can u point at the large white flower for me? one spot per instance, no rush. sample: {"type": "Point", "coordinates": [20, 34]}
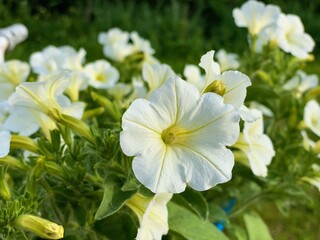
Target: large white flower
{"type": "Point", "coordinates": [292, 38]}
{"type": "Point", "coordinates": [156, 74]}
{"type": "Point", "coordinates": [152, 213]}
{"type": "Point", "coordinates": [101, 74]}
{"type": "Point", "coordinates": [311, 116]}
{"type": "Point", "coordinates": [5, 138]}
{"type": "Point", "coordinates": [12, 73]}
{"type": "Point", "coordinates": [179, 137]}
{"type": "Point", "coordinates": [256, 145]}
{"type": "Point", "coordinates": [255, 16]}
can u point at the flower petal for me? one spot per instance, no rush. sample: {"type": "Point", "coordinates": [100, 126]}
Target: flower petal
{"type": "Point", "coordinates": [5, 138]}
{"type": "Point", "coordinates": [236, 87]}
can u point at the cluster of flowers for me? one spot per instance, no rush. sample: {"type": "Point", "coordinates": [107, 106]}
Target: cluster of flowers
{"type": "Point", "coordinates": [267, 24]}
{"type": "Point", "coordinates": [180, 132]}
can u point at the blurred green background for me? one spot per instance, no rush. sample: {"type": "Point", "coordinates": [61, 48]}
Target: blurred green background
{"type": "Point", "coordinates": [179, 31]}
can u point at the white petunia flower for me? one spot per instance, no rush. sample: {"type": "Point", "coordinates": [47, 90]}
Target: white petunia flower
{"type": "Point", "coordinates": [25, 121]}
{"type": "Point", "coordinates": [53, 59]}
{"type": "Point", "coordinates": [179, 137]}
{"type": "Point", "coordinates": [233, 84]}
{"type": "Point", "coordinates": [115, 44]}
{"type": "Point", "coordinates": [301, 83]}
{"type": "Point", "coordinates": [78, 81]}
{"type": "Point", "coordinates": [152, 213]}
{"type": "Point", "coordinates": [12, 73]}
{"type": "Point", "coordinates": [310, 145]}
{"type": "Point", "coordinates": [41, 96]}
{"type": "Point", "coordinates": [5, 139]}
{"type": "Point", "coordinates": [140, 44]}
{"type": "Point", "coordinates": [256, 145]}
{"type": "Point", "coordinates": [139, 90]}
{"type": "Point", "coordinates": [311, 116]}
{"type": "Point", "coordinates": [101, 74]}
{"type": "Point", "coordinates": [156, 74]}
{"type": "Point", "coordinates": [291, 37]}
{"type": "Point", "coordinates": [120, 90]}
{"type": "Point", "coordinates": [227, 60]}
{"type": "Point", "coordinates": [193, 75]}
{"type": "Point", "coordinates": [255, 16]}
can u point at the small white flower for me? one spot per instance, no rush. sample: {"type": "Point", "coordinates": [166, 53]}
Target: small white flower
{"type": "Point", "coordinates": [41, 96]}
{"type": "Point", "coordinates": [78, 81]}
{"type": "Point", "coordinates": [156, 74]}
{"type": "Point", "coordinates": [5, 139]}
{"type": "Point", "coordinates": [256, 145]}
{"type": "Point", "coordinates": [12, 73]}
{"type": "Point", "coordinates": [139, 90]}
{"type": "Point", "coordinates": [235, 82]}
{"type": "Point", "coordinates": [255, 16]}
{"type": "Point", "coordinates": [140, 44]}
{"type": "Point", "coordinates": [193, 75]}
{"type": "Point", "coordinates": [115, 44]}
{"type": "Point", "coordinates": [119, 91]}
{"type": "Point", "coordinates": [179, 137]}
{"type": "Point", "coordinates": [53, 59]}
{"type": "Point", "coordinates": [292, 38]}
{"type": "Point", "coordinates": [311, 116]}
{"type": "Point", "coordinates": [101, 74]}
{"type": "Point", "coordinates": [301, 83]}
{"type": "Point", "coordinates": [152, 213]}
{"type": "Point", "coordinates": [26, 121]}
{"type": "Point", "coordinates": [227, 61]}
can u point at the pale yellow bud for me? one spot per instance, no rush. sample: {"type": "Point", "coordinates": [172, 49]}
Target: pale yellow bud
{"type": "Point", "coordinates": [217, 87]}
{"type": "Point", "coordinates": [39, 226]}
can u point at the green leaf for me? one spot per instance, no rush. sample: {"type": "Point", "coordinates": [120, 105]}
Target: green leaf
{"type": "Point", "coordinates": [193, 201]}
{"type": "Point", "coordinates": [256, 227]}
{"type": "Point", "coordinates": [190, 226]}
{"type": "Point", "coordinates": [113, 200]}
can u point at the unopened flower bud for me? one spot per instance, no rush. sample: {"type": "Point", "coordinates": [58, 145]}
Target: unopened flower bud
{"type": "Point", "coordinates": [39, 226]}
{"type": "Point", "coordinates": [217, 87]}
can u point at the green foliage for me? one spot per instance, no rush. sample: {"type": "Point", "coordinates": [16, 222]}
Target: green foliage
{"type": "Point", "coordinates": [190, 226]}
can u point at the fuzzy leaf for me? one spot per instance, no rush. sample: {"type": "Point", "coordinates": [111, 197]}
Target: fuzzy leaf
{"type": "Point", "coordinates": [190, 226]}
{"type": "Point", "coordinates": [113, 200]}
{"type": "Point", "coordinates": [256, 227]}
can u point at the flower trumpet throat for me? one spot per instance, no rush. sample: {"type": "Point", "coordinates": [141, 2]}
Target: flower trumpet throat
{"type": "Point", "coordinates": [217, 87]}
{"type": "Point", "coordinates": [171, 135]}
{"type": "Point", "coordinates": [39, 226]}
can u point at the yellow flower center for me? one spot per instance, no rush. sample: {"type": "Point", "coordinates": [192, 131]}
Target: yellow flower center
{"type": "Point", "coordinates": [171, 134]}
{"type": "Point", "coordinates": [217, 87]}
{"type": "Point", "coordinates": [100, 77]}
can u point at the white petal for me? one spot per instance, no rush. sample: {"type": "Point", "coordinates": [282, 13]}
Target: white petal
{"type": "Point", "coordinates": [206, 166]}
{"type": "Point", "coordinates": [5, 138]}
{"type": "Point", "coordinates": [312, 116]}
{"type": "Point", "coordinates": [175, 98]}
{"type": "Point", "coordinates": [160, 169]}
{"type": "Point", "coordinates": [21, 121]}
{"type": "Point", "coordinates": [236, 87]}
{"type": "Point", "coordinates": [246, 115]}
{"type": "Point", "coordinates": [260, 155]}
{"type": "Point", "coordinates": [210, 67]}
